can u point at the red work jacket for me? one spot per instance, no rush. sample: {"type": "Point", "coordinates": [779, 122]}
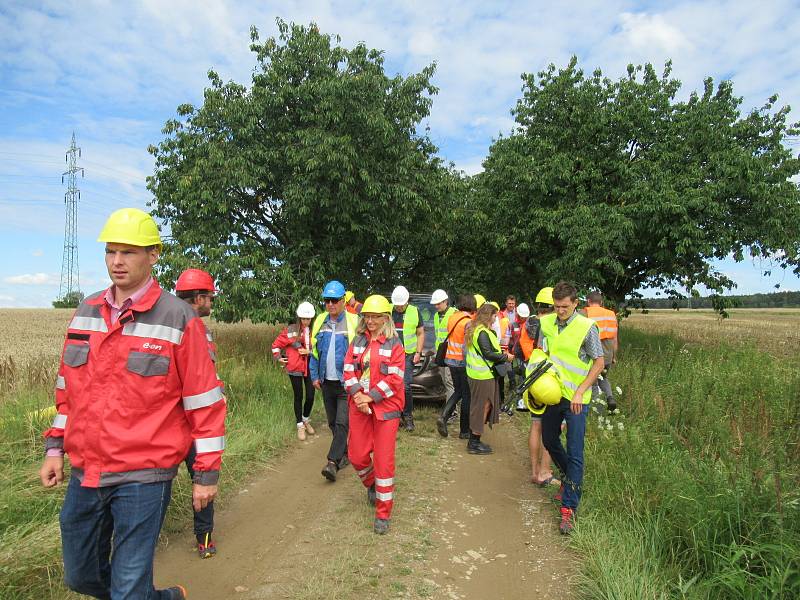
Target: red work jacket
{"type": "Point", "coordinates": [290, 340]}
{"type": "Point", "coordinates": [133, 395]}
{"type": "Point", "coordinates": [387, 359]}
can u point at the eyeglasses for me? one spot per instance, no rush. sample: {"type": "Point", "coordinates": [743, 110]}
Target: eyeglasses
{"type": "Point", "coordinates": [373, 317]}
{"type": "Point", "coordinates": [211, 297]}
{"type": "Point", "coordinates": [331, 300]}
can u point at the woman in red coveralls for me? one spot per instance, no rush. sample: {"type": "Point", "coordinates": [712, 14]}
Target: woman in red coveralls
{"type": "Point", "coordinates": [373, 377]}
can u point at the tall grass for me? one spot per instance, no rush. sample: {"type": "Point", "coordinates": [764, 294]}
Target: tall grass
{"type": "Point", "coordinates": [260, 425]}
{"type": "Point", "coordinates": [697, 496]}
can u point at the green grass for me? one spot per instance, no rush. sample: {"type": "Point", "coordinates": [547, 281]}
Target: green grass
{"type": "Point", "coordinates": [698, 495]}
{"type": "Point", "coordinates": [260, 426]}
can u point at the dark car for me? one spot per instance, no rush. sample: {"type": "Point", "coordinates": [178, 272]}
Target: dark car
{"type": "Point", "coordinates": [427, 383]}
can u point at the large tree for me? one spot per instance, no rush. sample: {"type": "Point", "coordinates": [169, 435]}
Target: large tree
{"type": "Point", "coordinates": [317, 170]}
{"type": "Point", "coordinates": [619, 185]}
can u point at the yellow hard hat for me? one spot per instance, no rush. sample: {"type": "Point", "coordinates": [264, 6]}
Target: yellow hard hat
{"type": "Point", "coordinates": [347, 295]}
{"type": "Point", "coordinates": [546, 390]}
{"type": "Point", "coordinates": [376, 304]}
{"type": "Point", "coordinates": [479, 300]}
{"type": "Point", "coordinates": [495, 304]}
{"type": "Point", "coordinates": [130, 226]}
{"type": "Point", "coordinates": [545, 296]}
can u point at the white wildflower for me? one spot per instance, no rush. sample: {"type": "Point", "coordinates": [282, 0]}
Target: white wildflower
{"type": "Point", "coordinates": [619, 390]}
{"type": "Point", "coordinates": [610, 427]}
{"type": "Point", "coordinates": [620, 426]}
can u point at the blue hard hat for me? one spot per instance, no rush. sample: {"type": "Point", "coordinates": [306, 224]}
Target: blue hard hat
{"type": "Point", "coordinates": [333, 289]}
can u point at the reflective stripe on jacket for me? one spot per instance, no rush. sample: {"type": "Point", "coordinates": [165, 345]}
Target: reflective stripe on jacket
{"type": "Point", "coordinates": [384, 382]}
{"type": "Point", "coordinates": [606, 321]}
{"type": "Point", "coordinates": [564, 350]}
{"type": "Point", "coordinates": [290, 340]}
{"type": "Point", "coordinates": [132, 396]}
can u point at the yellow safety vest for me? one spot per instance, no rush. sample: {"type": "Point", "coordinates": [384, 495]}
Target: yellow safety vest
{"type": "Point", "coordinates": [477, 366]}
{"type": "Point", "coordinates": [564, 350]}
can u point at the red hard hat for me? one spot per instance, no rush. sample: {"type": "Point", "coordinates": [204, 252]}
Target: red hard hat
{"type": "Point", "coordinates": [195, 279]}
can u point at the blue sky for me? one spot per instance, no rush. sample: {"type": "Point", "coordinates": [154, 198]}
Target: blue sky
{"type": "Point", "coordinates": [114, 72]}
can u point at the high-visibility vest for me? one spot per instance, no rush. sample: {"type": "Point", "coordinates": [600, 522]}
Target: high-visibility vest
{"type": "Point", "coordinates": [505, 333]}
{"type": "Point", "coordinates": [606, 321]}
{"type": "Point", "coordinates": [352, 323]}
{"type": "Point", "coordinates": [440, 324]}
{"type": "Point", "coordinates": [525, 342]}
{"type": "Point", "coordinates": [410, 323]}
{"type": "Point", "coordinates": [564, 349]}
{"type": "Point", "coordinates": [455, 343]}
{"type": "Point", "coordinates": [477, 366]}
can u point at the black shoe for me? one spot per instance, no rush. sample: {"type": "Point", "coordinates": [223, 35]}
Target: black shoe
{"type": "Point", "coordinates": [409, 424]}
{"type": "Point", "coordinates": [381, 526]}
{"type": "Point", "coordinates": [463, 436]}
{"type": "Point", "coordinates": [441, 427]}
{"type": "Point", "coordinates": [612, 405]}
{"type": "Point", "coordinates": [372, 496]}
{"type": "Point", "coordinates": [478, 447]}
{"type": "Point", "coordinates": [329, 471]}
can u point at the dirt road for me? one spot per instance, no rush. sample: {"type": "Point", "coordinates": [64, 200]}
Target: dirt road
{"type": "Point", "coordinates": [463, 527]}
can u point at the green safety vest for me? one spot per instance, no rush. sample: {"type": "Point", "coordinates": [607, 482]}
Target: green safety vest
{"type": "Point", "coordinates": [564, 350]}
{"type": "Point", "coordinates": [440, 324]}
{"type": "Point", "coordinates": [477, 366]}
{"type": "Point", "coordinates": [410, 324]}
{"type": "Point", "coordinates": [352, 323]}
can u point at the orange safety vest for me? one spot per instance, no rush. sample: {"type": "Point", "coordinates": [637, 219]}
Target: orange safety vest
{"type": "Point", "coordinates": [605, 319]}
{"type": "Point", "coordinates": [455, 343]}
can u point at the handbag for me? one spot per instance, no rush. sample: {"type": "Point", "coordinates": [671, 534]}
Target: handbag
{"type": "Point", "coordinates": [441, 349]}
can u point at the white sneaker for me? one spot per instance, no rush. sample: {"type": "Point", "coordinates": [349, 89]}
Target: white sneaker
{"type": "Point", "coordinates": [301, 433]}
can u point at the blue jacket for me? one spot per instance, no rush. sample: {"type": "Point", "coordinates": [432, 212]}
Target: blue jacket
{"type": "Point", "coordinates": [317, 366]}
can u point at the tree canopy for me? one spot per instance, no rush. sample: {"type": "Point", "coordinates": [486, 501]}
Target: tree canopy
{"type": "Point", "coordinates": [618, 185]}
{"type": "Point", "coordinates": [317, 170]}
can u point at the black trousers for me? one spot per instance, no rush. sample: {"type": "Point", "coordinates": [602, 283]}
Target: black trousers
{"type": "Point", "coordinates": [203, 520]}
{"type": "Point", "coordinates": [334, 397]}
{"type": "Point", "coordinates": [460, 393]}
{"type": "Point", "coordinates": [302, 410]}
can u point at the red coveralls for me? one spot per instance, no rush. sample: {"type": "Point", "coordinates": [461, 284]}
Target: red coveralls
{"type": "Point", "coordinates": [375, 367]}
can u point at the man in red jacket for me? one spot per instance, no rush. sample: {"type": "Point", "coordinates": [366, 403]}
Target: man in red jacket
{"type": "Point", "coordinates": [136, 387]}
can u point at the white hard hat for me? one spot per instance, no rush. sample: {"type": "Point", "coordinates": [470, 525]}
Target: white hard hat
{"type": "Point", "coordinates": [400, 296]}
{"type": "Point", "coordinates": [524, 311]}
{"type": "Point", "coordinates": [305, 310]}
{"type": "Point", "coordinates": [438, 296]}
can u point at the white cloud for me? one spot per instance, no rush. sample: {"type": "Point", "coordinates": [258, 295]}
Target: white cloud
{"type": "Point", "coordinates": [37, 252]}
{"type": "Point", "coordinates": [33, 279]}
{"type": "Point", "coordinates": [643, 31]}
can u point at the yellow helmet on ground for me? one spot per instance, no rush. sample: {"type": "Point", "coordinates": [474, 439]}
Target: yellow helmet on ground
{"type": "Point", "coordinates": [130, 226]}
{"type": "Point", "coordinates": [377, 304]}
{"type": "Point", "coordinates": [545, 296]}
{"type": "Point", "coordinates": [479, 300]}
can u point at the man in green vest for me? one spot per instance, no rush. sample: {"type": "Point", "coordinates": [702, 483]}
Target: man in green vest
{"type": "Point", "coordinates": [441, 303]}
{"type": "Point", "coordinates": [411, 330]}
{"type": "Point", "coordinates": [573, 343]}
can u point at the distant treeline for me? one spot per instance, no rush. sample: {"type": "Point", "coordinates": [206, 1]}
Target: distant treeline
{"type": "Point", "coordinates": [774, 300]}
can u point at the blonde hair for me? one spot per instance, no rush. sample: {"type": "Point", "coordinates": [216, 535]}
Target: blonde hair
{"type": "Point", "coordinates": [387, 329]}
{"type": "Point", "coordinates": [483, 317]}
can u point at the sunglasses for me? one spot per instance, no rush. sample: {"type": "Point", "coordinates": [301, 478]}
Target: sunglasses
{"type": "Point", "coordinates": [331, 300]}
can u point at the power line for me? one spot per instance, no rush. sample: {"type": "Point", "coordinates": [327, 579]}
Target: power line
{"type": "Point", "coordinates": [70, 283]}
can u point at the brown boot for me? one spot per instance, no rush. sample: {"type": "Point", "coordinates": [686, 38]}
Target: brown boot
{"type": "Point", "coordinates": [309, 428]}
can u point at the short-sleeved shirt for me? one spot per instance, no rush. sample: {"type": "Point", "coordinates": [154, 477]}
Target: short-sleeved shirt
{"type": "Point", "coordinates": [591, 348]}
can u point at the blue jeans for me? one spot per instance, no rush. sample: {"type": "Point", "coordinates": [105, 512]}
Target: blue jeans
{"type": "Point", "coordinates": [408, 375]}
{"type": "Point", "coordinates": [569, 462]}
{"type": "Point", "coordinates": [127, 516]}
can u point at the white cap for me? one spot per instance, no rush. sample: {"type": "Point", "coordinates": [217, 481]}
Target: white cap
{"type": "Point", "coordinates": [438, 296]}
{"type": "Point", "coordinates": [524, 311]}
{"type": "Point", "coordinates": [400, 296]}
{"type": "Point", "coordinates": [305, 310]}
